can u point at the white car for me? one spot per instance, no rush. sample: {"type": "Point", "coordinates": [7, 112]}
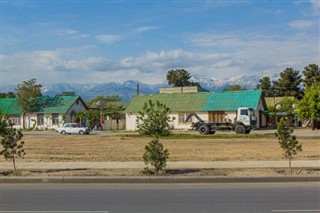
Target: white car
{"type": "Point", "coordinates": [73, 128]}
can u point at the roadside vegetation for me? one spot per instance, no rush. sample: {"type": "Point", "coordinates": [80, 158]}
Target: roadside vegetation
{"type": "Point", "coordinates": [11, 142]}
{"type": "Point", "coordinates": [287, 141]}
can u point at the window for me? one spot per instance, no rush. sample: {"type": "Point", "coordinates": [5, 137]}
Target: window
{"type": "Point", "coordinates": [55, 119]}
{"type": "Point", "coordinates": [182, 118]}
{"type": "Point", "coordinates": [40, 119]}
{"type": "Point", "coordinates": [243, 112]}
{"type": "Point", "coordinates": [216, 116]}
{"type": "Point", "coordinates": [15, 120]}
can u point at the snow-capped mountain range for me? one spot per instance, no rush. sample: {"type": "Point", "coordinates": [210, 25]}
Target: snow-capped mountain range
{"type": "Point", "coordinates": [128, 89]}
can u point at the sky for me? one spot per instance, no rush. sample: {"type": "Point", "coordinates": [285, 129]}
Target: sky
{"type": "Point", "coordinates": [97, 41]}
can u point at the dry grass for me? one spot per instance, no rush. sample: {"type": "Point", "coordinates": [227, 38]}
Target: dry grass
{"type": "Point", "coordinates": [119, 148]}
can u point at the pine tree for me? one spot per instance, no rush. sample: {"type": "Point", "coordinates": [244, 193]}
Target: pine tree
{"type": "Point", "coordinates": [287, 141]}
{"type": "Point", "coordinates": [311, 75]}
{"type": "Point", "coordinates": [288, 83]}
{"type": "Point", "coordinates": [154, 119]}
{"type": "Point", "coordinates": [155, 155]}
{"type": "Point", "coordinates": [265, 85]}
{"type": "Point", "coordinates": [180, 78]}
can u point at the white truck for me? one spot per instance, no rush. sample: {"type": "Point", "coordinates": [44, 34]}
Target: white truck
{"type": "Point", "coordinates": [244, 122]}
{"type": "Point", "coordinates": [73, 128]}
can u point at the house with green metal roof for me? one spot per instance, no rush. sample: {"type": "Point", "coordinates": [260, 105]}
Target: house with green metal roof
{"type": "Point", "coordinates": [210, 106]}
{"type": "Point", "coordinates": [50, 113]}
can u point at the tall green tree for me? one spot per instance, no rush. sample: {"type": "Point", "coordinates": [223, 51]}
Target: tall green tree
{"type": "Point", "coordinates": [287, 141]}
{"type": "Point", "coordinates": [7, 95]}
{"type": "Point", "coordinates": [309, 106]}
{"type": "Point", "coordinates": [288, 83]}
{"type": "Point", "coordinates": [28, 94]}
{"type": "Point", "coordinates": [235, 87]}
{"type": "Point", "coordinates": [93, 116]}
{"type": "Point", "coordinates": [265, 85]}
{"type": "Point", "coordinates": [311, 75]}
{"type": "Point", "coordinates": [180, 78]}
{"type": "Point", "coordinates": [67, 93]}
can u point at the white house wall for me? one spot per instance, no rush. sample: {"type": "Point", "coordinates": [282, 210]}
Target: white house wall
{"type": "Point", "coordinates": [131, 120]}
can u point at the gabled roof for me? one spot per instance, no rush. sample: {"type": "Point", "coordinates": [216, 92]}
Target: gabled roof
{"type": "Point", "coordinates": [8, 106]}
{"type": "Point", "coordinates": [201, 102]}
{"type": "Point", "coordinates": [56, 104]}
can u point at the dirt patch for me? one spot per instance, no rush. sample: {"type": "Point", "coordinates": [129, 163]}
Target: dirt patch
{"type": "Point", "coordinates": [96, 148]}
{"type": "Point", "coordinates": [92, 148]}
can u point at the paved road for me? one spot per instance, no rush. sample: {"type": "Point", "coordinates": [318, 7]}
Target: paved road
{"type": "Point", "coordinates": [257, 198]}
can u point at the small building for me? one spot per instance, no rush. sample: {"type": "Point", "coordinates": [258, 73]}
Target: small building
{"type": "Point", "coordinates": [210, 106]}
{"type": "Point", "coordinates": [113, 116]}
{"type": "Point", "coordinates": [188, 89]}
{"type": "Point", "coordinates": [51, 112]}
{"type": "Point", "coordinates": [274, 115]}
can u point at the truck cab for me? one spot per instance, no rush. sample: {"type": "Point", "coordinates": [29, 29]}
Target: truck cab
{"type": "Point", "coordinates": [246, 116]}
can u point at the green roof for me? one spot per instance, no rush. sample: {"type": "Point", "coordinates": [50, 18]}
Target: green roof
{"type": "Point", "coordinates": [8, 106]}
{"type": "Point", "coordinates": [47, 105]}
{"type": "Point", "coordinates": [201, 102]}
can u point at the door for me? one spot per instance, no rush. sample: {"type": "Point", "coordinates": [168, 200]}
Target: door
{"type": "Point", "coordinates": [216, 116]}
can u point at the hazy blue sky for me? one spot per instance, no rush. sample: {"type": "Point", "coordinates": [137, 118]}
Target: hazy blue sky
{"type": "Point", "coordinates": [101, 41]}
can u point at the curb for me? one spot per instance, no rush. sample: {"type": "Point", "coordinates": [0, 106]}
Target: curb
{"type": "Point", "coordinates": [159, 179]}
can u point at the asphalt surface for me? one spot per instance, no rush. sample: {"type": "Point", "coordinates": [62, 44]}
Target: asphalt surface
{"type": "Point", "coordinates": [227, 198]}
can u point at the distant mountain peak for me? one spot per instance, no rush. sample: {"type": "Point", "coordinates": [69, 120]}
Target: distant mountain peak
{"type": "Point", "coordinates": [127, 89]}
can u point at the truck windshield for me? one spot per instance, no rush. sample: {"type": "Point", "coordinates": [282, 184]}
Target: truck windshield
{"type": "Point", "coordinates": [250, 110]}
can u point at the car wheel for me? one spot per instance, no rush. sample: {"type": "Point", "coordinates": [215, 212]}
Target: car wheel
{"type": "Point", "coordinates": [63, 132]}
{"type": "Point", "coordinates": [81, 132]}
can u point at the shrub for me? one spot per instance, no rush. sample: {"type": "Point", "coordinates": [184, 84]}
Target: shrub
{"type": "Point", "coordinates": [156, 156]}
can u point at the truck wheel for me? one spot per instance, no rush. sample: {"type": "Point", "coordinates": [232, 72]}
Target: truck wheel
{"type": "Point", "coordinates": [63, 132]}
{"type": "Point", "coordinates": [204, 130]}
{"type": "Point", "coordinates": [81, 132]}
{"type": "Point", "coordinates": [240, 129]}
